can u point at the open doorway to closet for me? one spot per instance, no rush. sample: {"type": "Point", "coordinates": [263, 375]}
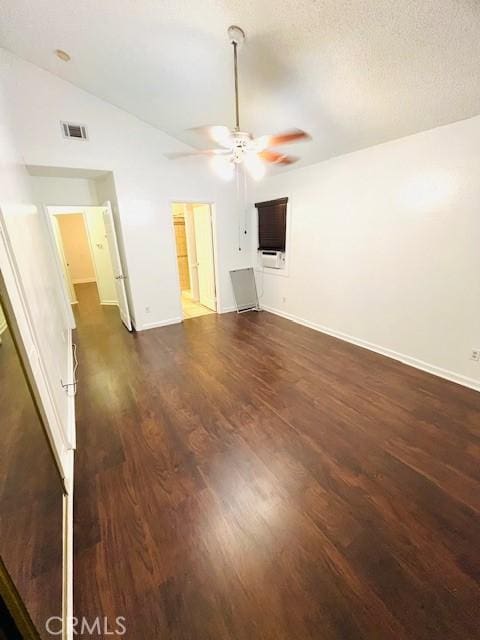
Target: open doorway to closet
{"type": "Point", "coordinates": [194, 244]}
{"type": "Point", "coordinates": [88, 257]}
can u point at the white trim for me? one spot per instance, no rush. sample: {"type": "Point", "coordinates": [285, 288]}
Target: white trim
{"type": "Point", "coordinates": [68, 551]}
{"type": "Point", "coordinates": [83, 280]}
{"type": "Point", "coordinates": [3, 326]}
{"type": "Point", "coordinates": [71, 424]}
{"type": "Point", "coordinates": [117, 265]}
{"type": "Point", "coordinates": [112, 303]}
{"type": "Point", "coordinates": [465, 381]}
{"type": "Point", "coordinates": [161, 323]}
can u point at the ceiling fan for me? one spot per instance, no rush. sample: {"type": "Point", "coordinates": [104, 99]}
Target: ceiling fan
{"type": "Point", "coordinates": [236, 147]}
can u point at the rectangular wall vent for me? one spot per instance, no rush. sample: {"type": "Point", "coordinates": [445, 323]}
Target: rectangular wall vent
{"type": "Point", "coordinates": [76, 131]}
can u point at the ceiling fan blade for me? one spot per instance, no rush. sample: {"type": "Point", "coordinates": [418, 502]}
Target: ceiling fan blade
{"type": "Point", "coordinates": [287, 137]}
{"type": "Point", "coordinates": [199, 152]}
{"type": "Point", "coordinates": [217, 133]}
{"type": "Point", "coordinates": [276, 158]}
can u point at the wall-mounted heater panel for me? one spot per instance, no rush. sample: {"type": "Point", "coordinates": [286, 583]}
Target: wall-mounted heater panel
{"type": "Point", "coordinates": [244, 289]}
{"type": "Point", "coordinates": [272, 259]}
{"type": "Point", "coordinates": [74, 131]}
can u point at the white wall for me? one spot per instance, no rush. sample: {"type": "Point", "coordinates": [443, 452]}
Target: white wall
{"type": "Point", "coordinates": [145, 183]}
{"type": "Point", "coordinates": [67, 191]}
{"type": "Point", "coordinates": [384, 247]}
{"type": "Point", "coordinates": [27, 267]}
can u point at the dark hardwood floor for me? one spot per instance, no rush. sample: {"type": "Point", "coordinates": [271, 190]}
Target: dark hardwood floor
{"type": "Point", "coordinates": [241, 477]}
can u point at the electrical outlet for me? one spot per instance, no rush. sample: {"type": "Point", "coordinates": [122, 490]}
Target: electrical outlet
{"type": "Point", "coordinates": [284, 299]}
{"type": "Point", "coordinates": [475, 355]}
{"type": "Point", "coordinates": [147, 309]}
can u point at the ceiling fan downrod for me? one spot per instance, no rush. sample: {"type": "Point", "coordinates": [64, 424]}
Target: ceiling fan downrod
{"type": "Point", "coordinates": [237, 114]}
{"type": "Point", "coordinates": [237, 38]}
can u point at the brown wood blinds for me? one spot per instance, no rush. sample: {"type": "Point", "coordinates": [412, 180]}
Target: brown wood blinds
{"type": "Point", "coordinates": [272, 224]}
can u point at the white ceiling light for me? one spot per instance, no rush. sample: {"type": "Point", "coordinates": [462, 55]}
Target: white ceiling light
{"type": "Point", "coordinates": [240, 147]}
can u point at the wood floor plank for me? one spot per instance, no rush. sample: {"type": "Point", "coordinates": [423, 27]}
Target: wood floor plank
{"type": "Point", "coordinates": [242, 477]}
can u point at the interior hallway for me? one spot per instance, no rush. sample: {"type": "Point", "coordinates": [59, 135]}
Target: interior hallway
{"type": "Point", "coordinates": [241, 477]}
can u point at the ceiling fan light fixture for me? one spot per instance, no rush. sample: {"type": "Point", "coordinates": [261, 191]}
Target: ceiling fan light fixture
{"type": "Point", "coordinates": [237, 146]}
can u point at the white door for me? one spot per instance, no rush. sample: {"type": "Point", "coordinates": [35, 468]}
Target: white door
{"type": "Point", "coordinates": [117, 265]}
{"type": "Point", "coordinates": [202, 219]}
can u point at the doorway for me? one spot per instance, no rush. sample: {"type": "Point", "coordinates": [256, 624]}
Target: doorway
{"type": "Point", "coordinates": [192, 223]}
{"type": "Point", "coordinates": [88, 258]}
{"type": "Point", "coordinates": [74, 249]}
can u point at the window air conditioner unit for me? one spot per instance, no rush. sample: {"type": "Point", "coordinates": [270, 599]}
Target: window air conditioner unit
{"type": "Point", "coordinates": [272, 259]}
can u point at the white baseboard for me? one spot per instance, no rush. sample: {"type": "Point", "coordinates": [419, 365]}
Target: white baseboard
{"type": "Point", "coordinates": [228, 309]}
{"type": "Point", "coordinates": [465, 381]}
{"type": "Point", "coordinates": [112, 303]}
{"type": "Point", "coordinates": [161, 323]}
{"type": "Point", "coordinates": [83, 280]}
{"type": "Point", "coordinates": [3, 326]}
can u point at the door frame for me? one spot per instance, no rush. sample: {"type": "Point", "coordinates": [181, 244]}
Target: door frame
{"type": "Point", "coordinates": [213, 219]}
{"type": "Point", "coordinates": [51, 210]}
{"type": "Point", "coordinates": [116, 261]}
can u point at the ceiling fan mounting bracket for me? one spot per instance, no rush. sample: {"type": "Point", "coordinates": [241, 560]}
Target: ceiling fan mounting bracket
{"type": "Point", "coordinates": [236, 35]}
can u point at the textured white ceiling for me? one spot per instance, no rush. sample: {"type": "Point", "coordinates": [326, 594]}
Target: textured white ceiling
{"type": "Point", "coordinates": [351, 72]}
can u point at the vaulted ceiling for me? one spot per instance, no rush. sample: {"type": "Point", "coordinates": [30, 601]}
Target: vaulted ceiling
{"type": "Point", "coordinates": [353, 73]}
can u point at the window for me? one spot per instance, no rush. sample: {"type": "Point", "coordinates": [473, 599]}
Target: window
{"type": "Point", "coordinates": [272, 224]}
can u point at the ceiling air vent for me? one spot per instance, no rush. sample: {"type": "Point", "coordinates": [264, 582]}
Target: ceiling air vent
{"type": "Point", "coordinates": [76, 131]}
